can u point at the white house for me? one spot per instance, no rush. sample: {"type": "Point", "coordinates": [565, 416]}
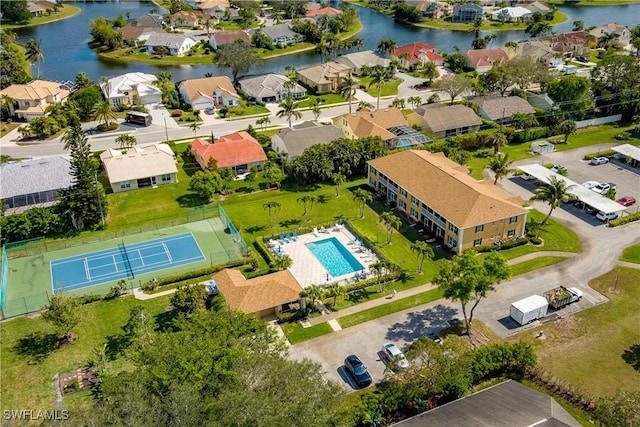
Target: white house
{"type": "Point", "coordinates": [176, 44]}
{"type": "Point", "coordinates": [209, 92]}
{"type": "Point", "coordinates": [512, 14]}
{"type": "Point", "coordinates": [132, 89]}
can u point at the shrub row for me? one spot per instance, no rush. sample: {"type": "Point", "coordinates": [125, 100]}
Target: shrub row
{"type": "Point", "coordinates": [605, 153]}
{"type": "Point", "coordinates": [625, 219]}
{"type": "Point", "coordinates": [183, 277]}
{"type": "Point", "coordinates": [531, 135]}
{"type": "Point", "coordinates": [291, 316]}
{"type": "Point", "coordinates": [506, 245]}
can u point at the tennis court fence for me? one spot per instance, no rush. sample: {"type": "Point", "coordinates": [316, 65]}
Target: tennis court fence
{"type": "Point", "coordinates": [4, 272]}
{"type": "Point", "coordinates": [237, 238]}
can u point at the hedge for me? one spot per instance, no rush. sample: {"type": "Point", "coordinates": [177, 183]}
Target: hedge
{"type": "Point", "coordinates": [624, 219]}
{"type": "Point", "coordinates": [531, 135]}
{"type": "Point", "coordinates": [605, 153]}
{"type": "Point", "coordinates": [183, 277]}
{"type": "Point", "coordinates": [506, 245]}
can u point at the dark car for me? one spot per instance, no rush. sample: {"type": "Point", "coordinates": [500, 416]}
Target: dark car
{"type": "Point", "coordinates": [435, 337]}
{"type": "Point", "coordinates": [355, 366]}
{"type": "Point", "coordinates": [582, 59]}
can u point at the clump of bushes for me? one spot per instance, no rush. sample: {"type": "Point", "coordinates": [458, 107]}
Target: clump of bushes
{"type": "Point", "coordinates": [625, 219]}
{"type": "Point", "coordinates": [506, 245]}
{"type": "Point", "coordinates": [604, 153]}
{"type": "Point", "coordinates": [177, 113]}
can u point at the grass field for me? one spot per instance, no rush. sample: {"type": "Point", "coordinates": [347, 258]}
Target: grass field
{"type": "Point", "coordinates": [66, 10]}
{"type": "Point", "coordinates": [535, 264]}
{"type": "Point", "coordinates": [388, 89]}
{"type": "Point", "coordinates": [631, 254]}
{"type": "Point", "coordinates": [295, 333]}
{"type": "Point", "coordinates": [596, 349]}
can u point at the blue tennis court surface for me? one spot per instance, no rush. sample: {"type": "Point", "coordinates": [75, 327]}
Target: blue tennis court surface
{"type": "Point", "coordinates": [123, 262]}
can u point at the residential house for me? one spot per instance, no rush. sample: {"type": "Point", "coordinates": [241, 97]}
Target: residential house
{"type": "Point", "coordinates": [323, 78]}
{"type": "Point", "coordinates": [536, 7]}
{"type": "Point", "coordinates": [482, 60]}
{"type": "Point", "coordinates": [222, 38]}
{"type": "Point", "coordinates": [311, 5]}
{"type": "Point", "coordinates": [365, 59]}
{"type": "Point", "coordinates": [282, 34]}
{"type": "Point", "coordinates": [205, 5]}
{"type": "Point", "coordinates": [32, 99]}
{"type": "Point", "coordinates": [443, 199]}
{"type": "Point", "coordinates": [238, 151]}
{"type": "Point", "coordinates": [209, 92]}
{"type": "Point", "coordinates": [151, 20]}
{"type": "Point", "coordinates": [133, 34]}
{"type": "Point", "coordinates": [175, 44]}
{"type": "Point", "coordinates": [429, 9]}
{"type": "Point", "coordinates": [185, 19]}
{"type": "Point", "coordinates": [298, 138]}
{"type": "Point", "coordinates": [467, 12]}
{"type": "Point", "coordinates": [623, 34]}
{"type": "Point", "coordinates": [512, 14]}
{"type": "Point", "coordinates": [415, 55]}
{"type": "Point", "coordinates": [34, 182]}
{"type": "Point", "coordinates": [270, 88]}
{"type": "Point", "coordinates": [267, 295]}
{"type": "Point", "coordinates": [500, 109]}
{"type": "Point", "coordinates": [570, 43]}
{"type": "Point", "coordinates": [224, 13]}
{"type": "Point", "coordinates": [324, 11]}
{"type": "Point", "coordinates": [539, 52]}
{"type": "Point", "coordinates": [35, 9]}
{"type": "Point", "coordinates": [445, 120]}
{"type": "Point", "coordinates": [139, 167]}
{"type": "Point", "coordinates": [131, 89]}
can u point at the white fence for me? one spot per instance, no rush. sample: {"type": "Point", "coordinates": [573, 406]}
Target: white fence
{"type": "Point", "coordinates": [598, 121]}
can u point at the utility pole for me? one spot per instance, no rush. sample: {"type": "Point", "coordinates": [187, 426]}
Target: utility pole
{"type": "Point", "coordinates": [166, 132]}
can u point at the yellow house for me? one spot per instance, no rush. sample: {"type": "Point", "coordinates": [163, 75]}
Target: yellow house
{"type": "Point", "coordinates": [443, 199]}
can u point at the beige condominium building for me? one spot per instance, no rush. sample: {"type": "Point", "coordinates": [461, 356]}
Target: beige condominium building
{"type": "Point", "coordinates": [443, 199]}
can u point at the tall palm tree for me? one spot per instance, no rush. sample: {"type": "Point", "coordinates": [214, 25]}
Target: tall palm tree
{"type": "Point", "coordinates": [272, 207]}
{"type": "Point", "coordinates": [312, 294]}
{"type": "Point", "coordinates": [126, 141]}
{"type": "Point", "coordinates": [422, 250]}
{"type": "Point", "coordinates": [500, 165]}
{"type": "Point", "coordinates": [430, 71]}
{"type": "Point", "coordinates": [398, 103]}
{"type": "Point", "coordinates": [34, 53]}
{"type": "Point", "coordinates": [334, 291]}
{"type": "Point", "coordinates": [338, 179]}
{"type": "Point", "coordinates": [476, 26]}
{"type": "Point", "coordinates": [103, 112]}
{"type": "Point", "coordinates": [498, 140]}
{"type": "Point", "coordinates": [416, 101]}
{"type": "Point", "coordinates": [288, 109]}
{"type": "Point", "coordinates": [391, 222]}
{"type": "Point", "coordinates": [308, 201]}
{"type": "Point", "coordinates": [553, 193]}
{"type": "Point", "coordinates": [6, 105]}
{"type": "Point", "coordinates": [511, 45]}
{"type": "Point", "coordinates": [379, 76]}
{"type": "Point", "coordinates": [322, 48]}
{"type": "Point", "coordinates": [347, 89]}
{"type": "Point", "coordinates": [194, 127]}
{"type": "Point", "coordinates": [263, 122]}
{"type": "Point", "coordinates": [605, 40]}
{"type": "Point", "coordinates": [363, 197]}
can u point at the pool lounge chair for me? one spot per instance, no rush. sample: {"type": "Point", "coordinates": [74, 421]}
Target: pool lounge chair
{"type": "Point", "coordinates": [282, 239]}
{"type": "Point", "coordinates": [315, 231]}
{"type": "Point", "coordinates": [287, 238]}
{"type": "Point", "coordinates": [294, 236]}
{"type": "Point", "coordinates": [351, 242]}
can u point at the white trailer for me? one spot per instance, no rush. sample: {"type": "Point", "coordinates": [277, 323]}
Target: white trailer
{"type": "Point", "coordinates": [529, 309]}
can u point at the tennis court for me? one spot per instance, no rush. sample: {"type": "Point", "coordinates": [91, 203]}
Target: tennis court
{"type": "Point", "coordinates": [124, 261]}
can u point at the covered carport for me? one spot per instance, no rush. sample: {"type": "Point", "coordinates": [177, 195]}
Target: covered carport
{"type": "Point", "coordinates": [583, 194]}
{"type": "Point", "coordinates": [630, 152]}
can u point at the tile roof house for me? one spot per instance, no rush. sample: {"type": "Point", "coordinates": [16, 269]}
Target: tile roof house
{"type": "Point", "coordinates": [367, 58]}
{"type": "Point", "coordinates": [131, 89]}
{"type": "Point", "coordinates": [537, 7]}
{"type": "Point", "coordinates": [468, 12]}
{"type": "Point", "coordinates": [151, 20]}
{"type": "Point", "coordinates": [140, 167]}
{"type": "Point", "coordinates": [32, 99]}
{"type": "Point", "coordinates": [413, 55]}
{"type": "Point", "coordinates": [133, 33]}
{"type": "Point", "coordinates": [185, 19]}
{"type": "Point", "coordinates": [221, 38]}
{"type": "Point", "coordinates": [623, 33]}
{"type": "Point", "coordinates": [238, 151]}
{"type": "Point", "coordinates": [298, 138]}
{"type": "Point", "coordinates": [209, 92]}
{"type": "Point", "coordinates": [34, 182]}
{"type": "Point", "coordinates": [445, 120]}
{"type": "Point", "coordinates": [482, 60]}
{"type": "Point", "coordinates": [176, 44]}
{"type": "Point", "coordinates": [265, 295]}
{"type": "Point", "coordinates": [500, 109]}
{"type": "Point", "coordinates": [365, 123]}
{"type": "Point", "coordinates": [539, 52]}
{"type": "Point", "coordinates": [440, 195]}
{"type": "Point", "coordinates": [281, 34]}
{"type": "Point", "coordinates": [570, 43]}
{"type": "Point", "coordinates": [270, 88]}
{"type": "Point", "coordinates": [323, 78]}
{"type": "Point", "coordinates": [329, 11]}
{"type": "Point", "coordinates": [211, 4]}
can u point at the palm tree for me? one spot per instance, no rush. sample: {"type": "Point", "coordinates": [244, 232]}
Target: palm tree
{"type": "Point", "coordinates": [34, 53]}
{"type": "Point", "coordinates": [422, 250]}
{"type": "Point", "coordinates": [416, 101]}
{"type": "Point", "coordinates": [6, 105]}
{"type": "Point", "coordinates": [315, 108]}
{"type": "Point", "coordinates": [430, 71]}
{"type": "Point", "coordinates": [498, 140]}
{"type": "Point", "coordinates": [289, 85]}
{"type": "Point", "coordinates": [387, 45]}
{"type": "Point", "coordinates": [363, 197]}
{"type": "Point", "coordinates": [263, 122]}
{"type": "Point", "coordinates": [281, 262]}
{"type": "Point", "coordinates": [194, 127]}
{"type": "Point", "coordinates": [364, 105]}
{"type": "Point", "coordinates": [272, 207]}
{"type": "Point", "coordinates": [126, 141]}
{"type": "Point", "coordinates": [500, 165]}
{"type": "Point", "coordinates": [334, 291]}
{"type": "Point", "coordinates": [553, 193]}
{"type": "Point", "coordinates": [476, 25]}
{"type": "Point", "coordinates": [379, 77]}
{"type": "Point", "coordinates": [606, 39]}
{"type": "Point", "coordinates": [338, 179]}
{"type": "Point", "coordinates": [391, 222]}
{"type": "Point", "coordinates": [322, 47]}
{"type": "Point", "coordinates": [567, 128]}
{"type": "Point", "coordinates": [511, 45]}
{"type": "Point", "coordinates": [312, 294]}
{"type": "Point", "coordinates": [103, 112]}
{"type": "Point", "coordinates": [346, 88]}
{"type": "Point", "coordinates": [307, 201]}
{"type": "Point", "coordinates": [288, 109]}
{"type": "Point", "coordinates": [378, 267]}
{"type": "Point", "coordinates": [398, 103]}
{"type": "Point", "coordinates": [578, 25]}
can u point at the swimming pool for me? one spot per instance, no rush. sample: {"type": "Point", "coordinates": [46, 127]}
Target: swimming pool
{"type": "Point", "coordinates": [334, 257]}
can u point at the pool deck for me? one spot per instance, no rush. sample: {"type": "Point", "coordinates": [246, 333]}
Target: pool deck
{"type": "Point", "coordinates": [309, 271]}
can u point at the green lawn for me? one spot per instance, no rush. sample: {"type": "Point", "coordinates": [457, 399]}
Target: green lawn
{"type": "Point", "coordinates": [389, 308]}
{"type": "Point", "coordinates": [488, 25]}
{"type": "Point", "coordinates": [65, 11]}
{"type": "Point", "coordinates": [325, 99]}
{"type": "Point", "coordinates": [30, 359]}
{"type": "Point", "coordinates": [631, 254]}
{"type": "Point", "coordinates": [536, 264]}
{"type": "Point", "coordinates": [295, 333]}
{"type": "Point", "coordinates": [594, 350]}
{"type": "Point", "coordinates": [249, 110]}
{"type": "Point", "coordinates": [388, 89]}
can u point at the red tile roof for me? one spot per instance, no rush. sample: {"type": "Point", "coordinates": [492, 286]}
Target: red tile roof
{"type": "Point", "coordinates": [416, 49]}
{"type": "Point", "coordinates": [323, 11]}
{"type": "Point", "coordinates": [235, 149]}
{"type": "Point", "coordinates": [484, 57]}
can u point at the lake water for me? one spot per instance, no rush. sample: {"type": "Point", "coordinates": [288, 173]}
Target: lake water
{"type": "Point", "coordinates": [64, 43]}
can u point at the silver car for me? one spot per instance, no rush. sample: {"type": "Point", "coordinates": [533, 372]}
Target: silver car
{"type": "Point", "coordinates": [599, 160]}
{"type": "Point", "coordinates": [395, 356]}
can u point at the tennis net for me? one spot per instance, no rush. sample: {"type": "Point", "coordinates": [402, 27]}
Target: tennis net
{"type": "Point", "coordinates": [125, 255]}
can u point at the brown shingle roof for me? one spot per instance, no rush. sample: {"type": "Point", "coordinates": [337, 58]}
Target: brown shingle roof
{"type": "Point", "coordinates": [484, 57]}
{"type": "Point", "coordinates": [440, 117]}
{"type": "Point", "coordinates": [207, 86]}
{"type": "Point", "coordinates": [447, 188]}
{"type": "Point", "coordinates": [366, 123]}
{"type": "Point", "coordinates": [499, 107]}
{"type": "Point", "coordinates": [259, 293]}
{"type": "Point", "coordinates": [230, 37]}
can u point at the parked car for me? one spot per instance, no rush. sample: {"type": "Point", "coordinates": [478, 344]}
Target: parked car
{"type": "Point", "coordinates": [590, 184]}
{"type": "Point", "coordinates": [599, 160]}
{"type": "Point", "coordinates": [601, 188]}
{"type": "Point", "coordinates": [395, 356]}
{"type": "Point", "coordinates": [526, 176]}
{"type": "Point", "coordinates": [559, 169]}
{"type": "Point", "coordinates": [210, 110]}
{"type": "Point", "coordinates": [582, 59]}
{"type": "Point", "coordinates": [627, 201]}
{"type": "Point", "coordinates": [435, 337]}
{"type": "Point", "coordinates": [607, 216]}
{"type": "Point", "coordinates": [356, 368]}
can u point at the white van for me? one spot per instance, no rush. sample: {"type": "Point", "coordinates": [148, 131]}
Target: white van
{"type": "Point", "coordinates": [607, 216]}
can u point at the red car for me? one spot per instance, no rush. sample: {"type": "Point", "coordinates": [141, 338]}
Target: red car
{"type": "Point", "coordinates": [627, 201]}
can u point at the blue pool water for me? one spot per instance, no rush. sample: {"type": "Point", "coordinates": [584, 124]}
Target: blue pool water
{"type": "Point", "coordinates": [334, 257]}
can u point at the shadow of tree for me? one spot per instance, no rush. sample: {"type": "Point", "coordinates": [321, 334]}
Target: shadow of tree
{"type": "Point", "coordinates": [116, 345]}
{"type": "Point", "coordinates": [322, 198]}
{"type": "Point", "coordinates": [419, 322]}
{"type": "Point", "coordinates": [191, 200]}
{"type": "Point", "coordinates": [165, 321]}
{"type": "Point", "coordinates": [37, 345]}
{"type": "Point", "coordinates": [290, 222]}
{"type": "Point", "coordinates": [632, 356]}
{"type": "Point", "coordinates": [255, 228]}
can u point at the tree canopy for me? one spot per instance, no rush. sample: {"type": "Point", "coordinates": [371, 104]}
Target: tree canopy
{"type": "Point", "coordinates": [238, 57]}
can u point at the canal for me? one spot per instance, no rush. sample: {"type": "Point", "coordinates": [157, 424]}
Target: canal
{"type": "Point", "coordinates": [65, 49]}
